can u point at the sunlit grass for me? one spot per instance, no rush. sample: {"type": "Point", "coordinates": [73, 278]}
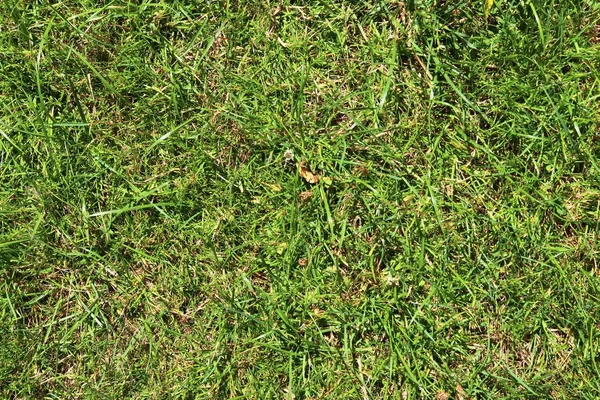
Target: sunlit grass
{"type": "Point", "coordinates": [163, 235]}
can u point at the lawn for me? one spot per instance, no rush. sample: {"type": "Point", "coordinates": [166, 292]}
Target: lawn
{"type": "Point", "coordinates": [296, 199]}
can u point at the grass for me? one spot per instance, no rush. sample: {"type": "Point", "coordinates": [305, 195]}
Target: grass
{"type": "Point", "coordinates": [158, 238]}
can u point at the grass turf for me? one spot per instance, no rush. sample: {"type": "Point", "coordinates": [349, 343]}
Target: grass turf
{"type": "Point", "coordinates": [158, 240]}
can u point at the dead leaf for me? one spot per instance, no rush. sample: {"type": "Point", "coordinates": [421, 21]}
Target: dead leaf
{"type": "Point", "coordinates": [305, 196]}
{"type": "Point", "coordinates": [308, 175]}
{"type": "Point", "coordinates": [360, 170]}
{"type": "Point", "coordinates": [448, 188]}
{"type": "Point", "coordinates": [288, 155]}
{"type": "Point", "coordinates": [442, 396]}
